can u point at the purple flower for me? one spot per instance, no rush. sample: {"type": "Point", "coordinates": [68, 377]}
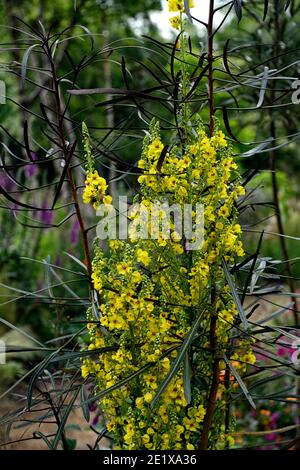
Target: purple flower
{"type": "Point", "coordinates": [46, 216]}
{"type": "Point", "coordinates": [270, 437]}
{"type": "Point", "coordinates": [30, 168]}
{"type": "Point", "coordinates": [75, 232]}
{"type": "Point", "coordinates": [95, 420]}
{"type": "Point", "coordinates": [6, 182]}
{"type": "Point", "coordinates": [274, 419]}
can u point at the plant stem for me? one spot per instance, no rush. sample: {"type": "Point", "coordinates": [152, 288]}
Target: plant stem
{"type": "Point", "coordinates": [210, 59]}
{"type": "Point", "coordinates": [67, 158]}
{"type": "Point", "coordinates": [211, 401]}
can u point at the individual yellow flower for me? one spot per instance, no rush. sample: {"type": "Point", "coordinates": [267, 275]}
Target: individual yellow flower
{"type": "Point", "coordinates": [123, 268]}
{"type": "Point", "coordinates": [107, 200]}
{"type": "Point", "coordinates": [175, 22]}
{"type": "Point", "coordinates": [148, 397]}
{"type": "Point", "coordinates": [143, 257]}
{"type": "Point", "coordinates": [190, 446]}
{"type": "Point", "coordinates": [155, 149]}
{"type": "Point", "coordinates": [178, 5]}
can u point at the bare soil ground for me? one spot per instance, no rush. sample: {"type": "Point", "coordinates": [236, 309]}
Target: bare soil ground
{"type": "Point", "coordinates": [21, 438]}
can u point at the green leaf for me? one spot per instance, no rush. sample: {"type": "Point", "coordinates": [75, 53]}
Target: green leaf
{"type": "Point", "coordinates": [128, 379]}
{"type": "Point", "coordinates": [83, 403]}
{"type": "Point", "coordinates": [64, 420]}
{"type": "Point", "coordinates": [40, 435]}
{"type": "Point", "coordinates": [180, 357]}
{"type": "Point", "coordinates": [266, 6]}
{"type": "Point", "coordinates": [24, 63]}
{"type": "Point", "coordinates": [237, 4]}
{"type": "Point", "coordinates": [235, 297]}
{"type": "Point", "coordinates": [187, 372]}
{"type": "Point", "coordinates": [240, 382]}
{"type": "Point", "coordinates": [187, 10]}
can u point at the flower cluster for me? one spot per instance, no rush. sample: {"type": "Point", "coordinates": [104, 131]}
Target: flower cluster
{"type": "Point", "coordinates": [95, 189]}
{"type": "Point", "coordinates": [152, 290]}
{"type": "Point", "coordinates": [156, 295]}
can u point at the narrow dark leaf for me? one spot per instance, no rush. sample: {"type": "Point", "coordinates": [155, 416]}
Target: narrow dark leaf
{"type": "Point", "coordinates": [173, 55]}
{"type": "Point", "coordinates": [64, 420]}
{"type": "Point", "coordinates": [197, 81]}
{"type": "Point", "coordinates": [237, 4]}
{"type": "Point", "coordinates": [235, 296]}
{"type": "Point", "coordinates": [127, 379]}
{"type": "Point", "coordinates": [264, 83]}
{"type": "Point", "coordinates": [240, 382]}
{"type": "Point", "coordinates": [26, 141]}
{"type": "Point", "coordinates": [250, 274]}
{"type": "Point", "coordinates": [162, 157]}
{"type": "Point", "coordinates": [24, 63]}
{"type": "Point", "coordinates": [187, 10]}
{"type": "Point", "coordinates": [227, 124]}
{"type": "Point", "coordinates": [40, 435]}
{"type": "Point", "coordinates": [266, 6]}
{"type": "Point", "coordinates": [83, 403]}
{"type": "Point", "coordinates": [180, 357]}
{"type": "Point", "coordinates": [63, 174]}
{"type": "Point", "coordinates": [257, 149]}
{"type": "Point", "coordinates": [187, 372]}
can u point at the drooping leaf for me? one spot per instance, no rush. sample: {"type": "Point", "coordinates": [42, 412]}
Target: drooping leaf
{"type": "Point", "coordinates": [83, 404]}
{"type": "Point", "coordinates": [187, 10]}
{"type": "Point", "coordinates": [237, 4]}
{"type": "Point", "coordinates": [25, 61]}
{"type": "Point", "coordinates": [180, 357]}
{"type": "Point", "coordinates": [266, 6]}
{"type": "Point", "coordinates": [240, 382]}
{"type": "Point", "coordinates": [187, 372]}
{"type": "Point", "coordinates": [235, 297]}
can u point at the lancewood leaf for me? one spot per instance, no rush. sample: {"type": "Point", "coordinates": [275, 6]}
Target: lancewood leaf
{"type": "Point", "coordinates": [266, 6]}
{"type": "Point", "coordinates": [180, 357]}
{"type": "Point", "coordinates": [252, 266]}
{"type": "Point", "coordinates": [276, 313]}
{"type": "Point", "coordinates": [43, 364]}
{"type": "Point", "coordinates": [39, 434]}
{"type": "Point", "coordinates": [83, 400]}
{"type": "Point", "coordinates": [187, 10]}
{"type": "Point", "coordinates": [240, 382]}
{"type": "Point", "coordinates": [63, 420]}
{"type": "Point", "coordinates": [235, 296]}
{"type": "Point", "coordinates": [22, 332]}
{"type": "Point", "coordinates": [238, 9]}
{"type": "Point", "coordinates": [25, 61]}
{"type": "Point", "coordinates": [76, 260]}
{"type": "Point", "coordinates": [286, 333]}
{"type": "Point", "coordinates": [127, 379]}
{"type": "Point", "coordinates": [287, 4]}
{"type": "Point", "coordinates": [256, 274]}
{"type": "Point", "coordinates": [263, 88]}
{"type": "Point", "coordinates": [257, 149]}
{"type": "Point", "coordinates": [67, 288]}
{"type": "Point", "coordinates": [227, 125]}
{"type": "Point", "coordinates": [187, 373]}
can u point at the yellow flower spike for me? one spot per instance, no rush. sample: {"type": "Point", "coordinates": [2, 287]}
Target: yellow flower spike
{"type": "Point", "coordinates": [135, 303]}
